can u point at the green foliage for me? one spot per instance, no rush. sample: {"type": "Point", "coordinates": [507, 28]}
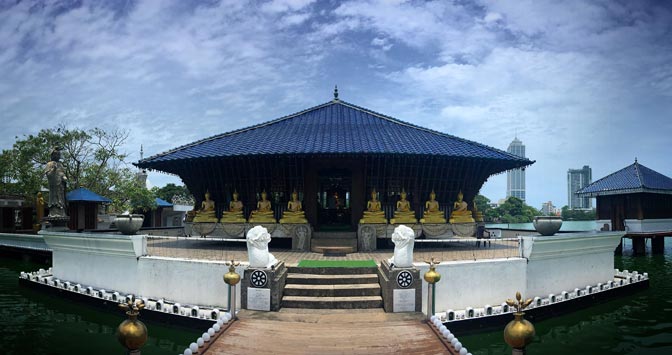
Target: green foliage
{"type": "Point", "coordinates": [130, 195]}
{"type": "Point", "coordinates": [577, 215]}
{"type": "Point", "coordinates": [91, 159]}
{"type": "Point", "coordinates": [171, 190]}
{"type": "Point", "coordinates": [513, 210]}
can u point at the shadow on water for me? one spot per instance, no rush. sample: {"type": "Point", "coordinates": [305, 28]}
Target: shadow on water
{"type": "Point", "coordinates": [639, 324]}
{"type": "Point", "coordinates": [35, 323]}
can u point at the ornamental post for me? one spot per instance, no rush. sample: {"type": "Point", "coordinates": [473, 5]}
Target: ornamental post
{"type": "Point", "coordinates": [232, 278]}
{"type": "Point", "coordinates": [432, 277]}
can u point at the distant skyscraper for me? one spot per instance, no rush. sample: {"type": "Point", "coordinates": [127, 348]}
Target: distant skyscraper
{"type": "Point", "coordinates": [515, 179]}
{"type": "Point", "coordinates": [578, 179]}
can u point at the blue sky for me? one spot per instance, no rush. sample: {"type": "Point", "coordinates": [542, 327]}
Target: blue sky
{"type": "Point", "coordinates": [579, 82]}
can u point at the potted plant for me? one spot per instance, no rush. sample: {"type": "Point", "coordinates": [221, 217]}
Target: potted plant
{"type": "Point", "coordinates": [131, 196]}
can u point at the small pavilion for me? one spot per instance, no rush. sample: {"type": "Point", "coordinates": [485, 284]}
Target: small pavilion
{"type": "Point", "coordinates": [635, 199]}
{"type": "Point", "coordinates": [83, 208]}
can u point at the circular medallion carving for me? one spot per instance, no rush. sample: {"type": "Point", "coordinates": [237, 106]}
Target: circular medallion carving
{"type": "Point", "coordinates": [258, 278]}
{"type": "Point", "coordinates": [404, 279]}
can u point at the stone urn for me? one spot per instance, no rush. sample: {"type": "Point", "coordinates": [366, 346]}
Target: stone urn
{"type": "Point", "coordinates": [547, 225]}
{"type": "Point", "coordinates": [129, 224]}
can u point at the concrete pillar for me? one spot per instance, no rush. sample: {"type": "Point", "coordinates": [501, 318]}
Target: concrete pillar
{"type": "Point", "coordinates": [658, 245]}
{"type": "Point", "coordinates": [638, 246]}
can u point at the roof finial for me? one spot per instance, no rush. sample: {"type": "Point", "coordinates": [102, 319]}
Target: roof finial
{"type": "Point", "coordinates": [335, 92]}
{"type": "Point", "coordinates": [142, 152]}
{"type": "Point", "coordinates": [635, 160]}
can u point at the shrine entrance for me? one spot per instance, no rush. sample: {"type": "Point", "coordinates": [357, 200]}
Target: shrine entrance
{"type": "Point", "coordinates": [334, 199]}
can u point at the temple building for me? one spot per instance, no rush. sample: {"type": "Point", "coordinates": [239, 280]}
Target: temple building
{"type": "Point", "coordinates": [635, 199]}
{"type": "Point", "coordinates": [334, 156]}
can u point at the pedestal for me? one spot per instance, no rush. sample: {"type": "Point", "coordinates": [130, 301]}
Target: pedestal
{"type": "Point", "coordinates": [437, 230]}
{"type": "Point", "coordinates": [261, 288]}
{"type": "Point", "coordinates": [55, 224]}
{"type": "Point", "coordinates": [401, 288]}
{"type": "Point", "coordinates": [464, 230]}
{"type": "Point", "coordinates": [301, 234]}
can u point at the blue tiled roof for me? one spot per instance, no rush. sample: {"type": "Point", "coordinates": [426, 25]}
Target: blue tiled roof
{"type": "Point", "coordinates": [336, 127]}
{"type": "Point", "coordinates": [633, 178]}
{"type": "Point", "coordinates": [84, 194]}
{"type": "Point", "coordinates": [163, 203]}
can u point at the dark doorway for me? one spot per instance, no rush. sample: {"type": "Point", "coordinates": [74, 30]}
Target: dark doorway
{"type": "Point", "coordinates": [333, 200]}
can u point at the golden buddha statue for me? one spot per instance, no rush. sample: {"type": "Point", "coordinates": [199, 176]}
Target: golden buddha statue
{"type": "Point", "coordinates": [478, 215]}
{"type": "Point", "coordinates": [461, 213]}
{"type": "Point", "coordinates": [374, 213]}
{"type": "Point", "coordinates": [403, 213]}
{"type": "Point", "coordinates": [264, 212]}
{"type": "Point", "coordinates": [432, 212]}
{"type": "Point", "coordinates": [207, 211]}
{"type": "Point", "coordinates": [235, 212]}
{"type": "Point", "coordinates": [294, 212]}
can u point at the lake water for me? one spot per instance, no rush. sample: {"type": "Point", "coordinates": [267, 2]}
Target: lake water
{"type": "Point", "coordinates": [35, 323]}
{"type": "Point", "coordinates": [567, 226]}
{"type": "Point", "coordinates": [639, 324]}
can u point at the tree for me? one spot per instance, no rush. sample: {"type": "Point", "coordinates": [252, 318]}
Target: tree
{"type": "Point", "coordinates": [91, 159]}
{"type": "Point", "coordinates": [577, 215]}
{"type": "Point", "coordinates": [168, 192]}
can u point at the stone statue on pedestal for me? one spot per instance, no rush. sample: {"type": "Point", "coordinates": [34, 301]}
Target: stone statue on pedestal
{"type": "Point", "coordinates": [257, 248]}
{"type": "Point", "coordinates": [57, 183]}
{"type": "Point", "coordinates": [403, 239]}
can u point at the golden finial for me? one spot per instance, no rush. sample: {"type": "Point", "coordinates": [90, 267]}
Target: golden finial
{"type": "Point", "coordinates": [132, 333]}
{"type": "Point", "coordinates": [432, 276]}
{"type": "Point", "coordinates": [232, 278]}
{"type": "Point", "coordinates": [519, 332]}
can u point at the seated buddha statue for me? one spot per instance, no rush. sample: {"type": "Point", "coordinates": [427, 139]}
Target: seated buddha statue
{"type": "Point", "coordinates": [403, 212]}
{"type": "Point", "coordinates": [432, 212]}
{"type": "Point", "coordinates": [461, 213]}
{"type": "Point", "coordinates": [264, 212]}
{"type": "Point", "coordinates": [207, 211]}
{"type": "Point", "coordinates": [374, 213]}
{"type": "Point", "coordinates": [234, 214]}
{"type": "Point", "coordinates": [294, 212]}
{"type": "Point", "coordinates": [478, 215]}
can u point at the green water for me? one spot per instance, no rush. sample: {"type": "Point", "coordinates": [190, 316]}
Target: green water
{"type": "Point", "coordinates": [35, 323]}
{"type": "Point", "coordinates": [639, 324]}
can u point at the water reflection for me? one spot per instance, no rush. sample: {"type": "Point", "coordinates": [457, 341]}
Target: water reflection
{"type": "Point", "coordinates": [35, 323]}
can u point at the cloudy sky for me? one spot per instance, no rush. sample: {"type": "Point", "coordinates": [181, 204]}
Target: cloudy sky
{"type": "Point", "coordinates": [579, 82]}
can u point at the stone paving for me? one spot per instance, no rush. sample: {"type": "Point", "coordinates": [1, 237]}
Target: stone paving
{"type": "Point", "coordinates": [226, 249]}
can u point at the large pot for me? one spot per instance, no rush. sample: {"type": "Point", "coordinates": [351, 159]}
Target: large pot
{"type": "Point", "coordinates": [129, 224]}
{"type": "Point", "coordinates": [547, 225]}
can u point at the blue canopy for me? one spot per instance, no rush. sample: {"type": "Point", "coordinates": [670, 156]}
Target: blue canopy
{"type": "Point", "coordinates": [163, 203]}
{"type": "Point", "coordinates": [86, 195]}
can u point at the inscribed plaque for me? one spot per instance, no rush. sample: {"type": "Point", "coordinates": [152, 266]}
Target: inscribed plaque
{"type": "Point", "coordinates": [403, 300]}
{"type": "Point", "coordinates": [259, 299]}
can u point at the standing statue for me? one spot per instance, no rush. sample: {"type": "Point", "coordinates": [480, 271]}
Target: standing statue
{"type": "Point", "coordinates": [57, 183]}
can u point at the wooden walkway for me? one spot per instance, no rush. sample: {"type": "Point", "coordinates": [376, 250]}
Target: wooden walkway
{"type": "Point", "coordinates": [329, 332]}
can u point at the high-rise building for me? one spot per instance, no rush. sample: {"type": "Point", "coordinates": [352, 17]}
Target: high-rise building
{"type": "Point", "coordinates": [548, 209]}
{"type": "Point", "coordinates": [576, 180]}
{"type": "Point", "coordinates": [515, 179]}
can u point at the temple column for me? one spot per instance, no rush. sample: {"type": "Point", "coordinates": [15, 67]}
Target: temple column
{"type": "Point", "coordinates": [658, 244]}
{"type": "Point", "coordinates": [638, 246]}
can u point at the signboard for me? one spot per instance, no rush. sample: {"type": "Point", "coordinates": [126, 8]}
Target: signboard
{"type": "Point", "coordinates": [403, 300]}
{"type": "Point", "coordinates": [259, 299]}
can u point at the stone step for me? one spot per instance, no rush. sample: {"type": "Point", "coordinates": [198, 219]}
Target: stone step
{"type": "Point", "coordinates": [358, 302]}
{"type": "Point", "coordinates": [338, 279]}
{"type": "Point", "coordinates": [334, 235]}
{"type": "Point", "coordinates": [345, 290]}
{"type": "Point", "coordinates": [332, 270]}
{"type": "Point", "coordinates": [319, 245]}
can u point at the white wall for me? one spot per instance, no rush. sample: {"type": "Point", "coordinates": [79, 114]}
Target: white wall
{"type": "Point", "coordinates": [114, 263]}
{"type": "Point", "coordinates": [23, 241]}
{"type": "Point", "coordinates": [648, 225]}
{"type": "Point", "coordinates": [475, 283]}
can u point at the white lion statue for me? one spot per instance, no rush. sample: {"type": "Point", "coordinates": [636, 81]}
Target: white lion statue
{"type": "Point", "coordinates": [257, 248]}
{"type": "Point", "coordinates": [403, 239]}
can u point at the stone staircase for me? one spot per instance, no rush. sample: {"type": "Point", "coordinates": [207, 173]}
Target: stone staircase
{"type": "Point", "coordinates": [332, 288]}
{"type": "Point", "coordinates": [345, 242]}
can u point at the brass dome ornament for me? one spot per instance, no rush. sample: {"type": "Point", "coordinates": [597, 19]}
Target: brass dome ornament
{"type": "Point", "coordinates": [519, 332]}
{"type": "Point", "coordinates": [432, 276]}
{"type": "Point", "coordinates": [231, 278]}
{"type": "Point", "coordinates": [132, 333]}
